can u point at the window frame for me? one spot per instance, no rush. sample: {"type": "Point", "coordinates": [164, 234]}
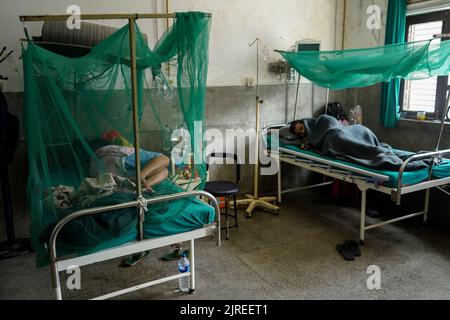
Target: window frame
{"type": "Point", "coordinates": [442, 81]}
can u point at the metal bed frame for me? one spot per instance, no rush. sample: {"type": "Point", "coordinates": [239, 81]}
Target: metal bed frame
{"type": "Point", "coordinates": [364, 179]}
{"type": "Point", "coordinates": [140, 245]}
{"type": "Point", "coordinates": [60, 264]}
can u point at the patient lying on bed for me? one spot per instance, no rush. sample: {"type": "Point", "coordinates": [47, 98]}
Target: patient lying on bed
{"type": "Point", "coordinates": [355, 143]}
{"type": "Point", "coordinates": [120, 161]}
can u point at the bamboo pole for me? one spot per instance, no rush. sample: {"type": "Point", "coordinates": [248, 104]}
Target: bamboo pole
{"type": "Point", "coordinates": [112, 16]}
{"type": "Point", "coordinates": [132, 36]}
{"type": "Point", "coordinates": [343, 25]}
{"type": "Point", "coordinates": [106, 16]}
{"type": "Point", "coordinates": [167, 12]}
{"type": "Point", "coordinates": [167, 29]}
{"type": "Point", "coordinates": [134, 98]}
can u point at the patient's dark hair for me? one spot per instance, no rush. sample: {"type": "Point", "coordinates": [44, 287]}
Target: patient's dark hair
{"type": "Point", "coordinates": [293, 123]}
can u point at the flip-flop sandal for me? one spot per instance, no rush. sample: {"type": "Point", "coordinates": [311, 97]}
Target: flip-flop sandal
{"type": "Point", "coordinates": [170, 256]}
{"type": "Point", "coordinates": [345, 252]}
{"type": "Point", "coordinates": [134, 259]}
{"type": "Point", "coordinates": [354, 247]}
{"type": "Point", "coordinates": [175, 255]}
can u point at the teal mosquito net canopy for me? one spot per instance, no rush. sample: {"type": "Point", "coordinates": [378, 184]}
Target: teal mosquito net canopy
{"type": "Point", "coordinates": [364, 67]}
{"type": "Point", "coordinates": [79, 128]}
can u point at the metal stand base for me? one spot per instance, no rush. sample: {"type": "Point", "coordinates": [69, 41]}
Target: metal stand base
{"type": "Point", "coordinates": [12, 249]}
{"type": "Point", "coordinates": [263, 203]}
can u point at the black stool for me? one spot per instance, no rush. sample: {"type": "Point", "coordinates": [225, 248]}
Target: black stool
{"type": "Point", "coordinates": [225, 188]}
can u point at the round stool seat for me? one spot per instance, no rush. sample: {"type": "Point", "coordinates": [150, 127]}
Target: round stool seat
{"type": "Point", "coordinates": [221, 188]}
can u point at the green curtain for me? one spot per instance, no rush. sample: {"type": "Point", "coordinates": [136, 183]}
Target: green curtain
{"type": "Point", "coordinates": [395, 33]}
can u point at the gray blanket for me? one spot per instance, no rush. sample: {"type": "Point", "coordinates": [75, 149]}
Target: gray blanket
{"type": "Point", "coordinates": [356, 144]}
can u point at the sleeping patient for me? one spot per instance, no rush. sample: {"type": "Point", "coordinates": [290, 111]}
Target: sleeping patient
{"type": "Point", "coordinates": [298, 128]}
{"type": "Point", "coordinates": [120, 160]}
{"type": "Point", "coordinates": [355, 143]}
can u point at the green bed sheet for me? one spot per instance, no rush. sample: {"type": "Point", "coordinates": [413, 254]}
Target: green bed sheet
{"type": "Point", "coordinates": [112, 229]}
{"type": "Point", "coordinates": [409, 177]}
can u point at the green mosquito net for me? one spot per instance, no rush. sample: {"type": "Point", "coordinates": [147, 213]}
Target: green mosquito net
{"type": "Point", "coordinates": [79, 126]}
{"type": "Point", "coordinates": [364, 67]}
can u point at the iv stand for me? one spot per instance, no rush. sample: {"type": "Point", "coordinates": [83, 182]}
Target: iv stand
{"type": "Point", "coordinates": [254, 201]}
{"type": "Point", "coordinates": [296, 97]}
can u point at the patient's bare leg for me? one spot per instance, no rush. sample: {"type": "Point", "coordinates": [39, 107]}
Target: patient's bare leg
{"type": "Point", "coordinates": [156, 178]}
{"type": "Point", "coordinates": [155, 171]}
{"type": "Point", "coordinates": [154, 166]}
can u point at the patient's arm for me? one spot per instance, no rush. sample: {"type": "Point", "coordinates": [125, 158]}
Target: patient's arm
{"type": "Point", "coordinates": [305, 144]}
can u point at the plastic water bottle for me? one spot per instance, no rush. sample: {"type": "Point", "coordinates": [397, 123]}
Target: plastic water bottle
{"type": "Point", "coordinates": [356, 115]}
{"type": "Point", "coordinates": [184, 266]}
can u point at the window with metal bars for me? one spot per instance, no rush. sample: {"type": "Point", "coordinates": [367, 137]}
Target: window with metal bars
{"type": "Point", "coordinates": [427, 95]}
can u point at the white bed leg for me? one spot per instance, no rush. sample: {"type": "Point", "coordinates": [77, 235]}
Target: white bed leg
{"type": "Point", "coordinates": [55, 280]}
{"type": "Point", "coordinates": [279, 179]}
{"type": "Point", "coordinates": [427, 205]}
{"type": "Point", "coordinates": [362, 226]}
{"type": "Point", "coordinates": [192, 256]}
{"type": "Point", "coordinates": [58, 293]}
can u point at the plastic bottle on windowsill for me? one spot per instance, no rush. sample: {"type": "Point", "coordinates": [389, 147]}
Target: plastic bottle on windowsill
{"type": "Point", "coordinates": [356, 115]}
{"type": "Point", "coordinates": [421, 115]}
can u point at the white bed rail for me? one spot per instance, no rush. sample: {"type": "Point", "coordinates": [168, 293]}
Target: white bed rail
{"type": "Point", "coordinates": [57, 265]}
{"type": "Point", "coordinates": [396, 196]}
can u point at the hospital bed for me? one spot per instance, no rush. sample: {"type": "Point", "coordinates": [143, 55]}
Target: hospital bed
{"type": "Point", "coordinates": [197, 220]}
{"type": "Point", "coordinates": [395, 184]}
{"type": "Point", "coordinates": [70, 99]}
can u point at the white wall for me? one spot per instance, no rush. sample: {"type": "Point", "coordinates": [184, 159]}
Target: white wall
{"type": "Point", "coordinates": [236, 23]}
{"type": "Point", "coordinates": [279, 24]}
{"type": "Point", "coordinates": [12, 27]}
{"type": "Point", "coordinates": [357, 34]}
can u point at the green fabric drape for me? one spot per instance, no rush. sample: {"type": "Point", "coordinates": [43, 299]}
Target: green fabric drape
{"type": "Point", "coordinates": [71, 102]}
{"type": "Point", "coordinates": [364, 67]}
{"type": "Point", "coordinates": [390, 92]}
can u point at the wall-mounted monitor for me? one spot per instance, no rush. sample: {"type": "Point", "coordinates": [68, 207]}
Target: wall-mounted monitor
{"type": "Point", "coordinates": [307, 45]}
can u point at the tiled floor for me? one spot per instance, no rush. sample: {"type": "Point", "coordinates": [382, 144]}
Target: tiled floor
{"type": "Point", "coordinates": [290, 256]}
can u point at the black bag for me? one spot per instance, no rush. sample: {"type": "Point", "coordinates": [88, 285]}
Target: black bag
{"type": "Point", "coordinates": [336, 110]}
